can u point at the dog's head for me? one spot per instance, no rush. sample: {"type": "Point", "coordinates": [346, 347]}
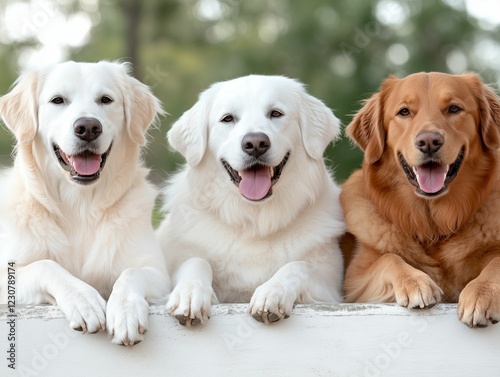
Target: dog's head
{"type": "Point", "coordinates": [254, 127]}
{"type": "Point", "coordinates": [432, 124]}
{"type": "Point", "coordinates": [77, 112]}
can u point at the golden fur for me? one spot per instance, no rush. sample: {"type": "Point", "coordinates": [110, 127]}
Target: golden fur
{"type": "Point", "coordinates": [419, 248]}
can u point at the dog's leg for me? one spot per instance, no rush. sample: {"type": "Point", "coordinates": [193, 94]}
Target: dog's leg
{"type": "Point", "coordinates": [193, 294]}
{"type": "Point", "coordinates": [128, 305]}
{"type": "Point", "coordinates": [45, 281]}
{"type": "Point", "coordinates": [389, 278]}
{"type": "Point", "coordinates": [479, 301]}
{"type": "Point", "coordinates": [298, 281]}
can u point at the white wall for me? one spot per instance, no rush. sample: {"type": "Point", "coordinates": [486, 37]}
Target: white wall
{"type": "Point", "coordinates": [337, 340]}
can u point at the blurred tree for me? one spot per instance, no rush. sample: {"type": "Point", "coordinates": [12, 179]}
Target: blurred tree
{"type": "Point", "coordinates": [341, 50]}
{"type": "Point", "coordinates": [133, 15]}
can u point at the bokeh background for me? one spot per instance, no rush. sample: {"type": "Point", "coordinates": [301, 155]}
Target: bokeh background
{"type": "Point", "coordinates": [341, 49]}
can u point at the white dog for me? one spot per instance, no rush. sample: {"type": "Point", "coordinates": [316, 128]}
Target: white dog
{"type": "Point", "coordinates": [75, 212]}
{"type": "Point", "coordinates": [254, 216]}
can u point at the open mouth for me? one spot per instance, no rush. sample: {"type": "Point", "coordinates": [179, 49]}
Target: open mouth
{"type": "Point", "coordinates": [432, 178]}
{"type": "Point", "coordinates": [84, 167]}
{"type": "Point", "coordinates": [256, 182]}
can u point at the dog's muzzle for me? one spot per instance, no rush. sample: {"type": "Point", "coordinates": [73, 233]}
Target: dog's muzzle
{"type": "Point", "coordinates": [84, 167]}
{"type": "Point", "coordinates": [256, 181]}
{"type": "Point", "coordinates": [431, 178]}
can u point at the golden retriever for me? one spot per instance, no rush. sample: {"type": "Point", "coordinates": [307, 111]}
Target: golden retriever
{"type": "Point", "coordinates": [254, 216]}
{"type": "Point", "coordinates": [425, 206]}
{"type": "Point", "coordinates": [75, 213]}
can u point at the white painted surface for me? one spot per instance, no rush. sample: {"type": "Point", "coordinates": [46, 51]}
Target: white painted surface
{"type": "Point", "coordinates": [327, 340]}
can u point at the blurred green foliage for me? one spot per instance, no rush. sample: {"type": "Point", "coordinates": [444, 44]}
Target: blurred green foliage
{"type": "Point", "coordinates": [341, 50]}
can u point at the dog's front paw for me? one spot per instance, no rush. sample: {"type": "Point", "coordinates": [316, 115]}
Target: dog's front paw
{"type": "Point", "coordinates": [271, 303]}
{"type": "Point", "coordinates": [417, 290]}
{"type": "Point", "coordinates": [190, 302]}
{"type": "Point", "coordinates": [479, 304]}
{"type": "Point", "coordinates": [84, 308]}
{"type": "Point", "coordinates": [127, 318]}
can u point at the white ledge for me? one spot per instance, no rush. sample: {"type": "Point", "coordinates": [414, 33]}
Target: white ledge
{"type": "Point", "coordinates": [317, 340]}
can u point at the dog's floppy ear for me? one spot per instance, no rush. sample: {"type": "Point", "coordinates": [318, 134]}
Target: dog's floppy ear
{"type": "Point", "coordinates": [19, 108]}
{"type": "Point", "coordinates": [489, 111]}
{"type": "Point", "coordinates": [318, 125]}
{"type": "Point", "coordinates": [367, 127]}
{"type": "Point", "coordinates": [189, 134]}
{"type": "Point", "coordinates": [141, 108]}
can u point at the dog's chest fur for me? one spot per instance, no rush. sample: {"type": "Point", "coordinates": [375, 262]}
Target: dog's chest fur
{"type": "Point", "coordinates": [460, 259]}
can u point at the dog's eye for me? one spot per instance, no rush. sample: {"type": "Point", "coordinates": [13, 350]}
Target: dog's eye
{"type": "Point", "coordinates": [275, 114]}
{"type": "Point", "coordinates": [404, 112]}
{"type": "Point", "coordinates": [105, 100]}
{"type": "Point", "coordinates": [227, 119]}
{"type": "Point", "coordinates": [57, 100]}
{"type": "Point", "coordinates": [454, 109]}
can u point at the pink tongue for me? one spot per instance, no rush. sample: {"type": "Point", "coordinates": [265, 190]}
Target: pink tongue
{"type": "Point", "coordinates": [431, 177]}
{"type": "Point", "coordinates": [86, 165]}
{"type": "Point", "coordinates": [255, 183]}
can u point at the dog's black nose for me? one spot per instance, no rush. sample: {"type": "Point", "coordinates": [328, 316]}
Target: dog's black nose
{"type": "Point", "coordinates": [87, 129]}
{"type": "Point", "coordinates": [255, 144]}
{"type": "Point", "coordinates": [429, 141]}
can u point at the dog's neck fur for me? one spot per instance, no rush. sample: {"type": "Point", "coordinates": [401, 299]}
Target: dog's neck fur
{"type": "Point", "coordinates": [430, 220]}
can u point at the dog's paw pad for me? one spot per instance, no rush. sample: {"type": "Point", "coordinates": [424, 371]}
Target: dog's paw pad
{"type": "Point", "coordinates": [257, 317]}
{"type": "Point", "coordinates": [182, 319]}
{"type": "Point", "coordinates": [423, 306]}
{"type": "Point", "coordinates": [187, 321]}
{"type": "Point", "coordinates": [268, 317]}
{"type": "Point", "coordinates": [273, 317]}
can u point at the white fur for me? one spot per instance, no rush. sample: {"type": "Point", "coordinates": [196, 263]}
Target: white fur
{"type": "Point", "coordinates": [272, 253]}
{"type": "Point", "coordinates": [78, 245]}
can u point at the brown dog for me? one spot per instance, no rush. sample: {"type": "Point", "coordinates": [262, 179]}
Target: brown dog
{"type": "Point", "coordinates": [425, 206]}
